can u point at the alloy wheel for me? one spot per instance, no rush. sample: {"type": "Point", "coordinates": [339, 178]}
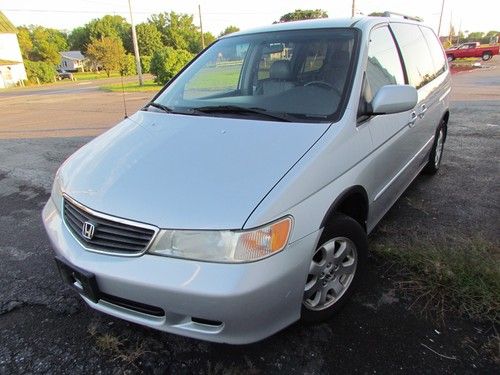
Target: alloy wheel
{"type": "Point", "coordinates": [331, 272]}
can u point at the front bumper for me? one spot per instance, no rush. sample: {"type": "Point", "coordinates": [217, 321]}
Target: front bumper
{"type": "Point", "coordinates": [250, 301]}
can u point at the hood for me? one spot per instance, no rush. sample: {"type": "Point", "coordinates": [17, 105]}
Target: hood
{"type": "Point", "coordinates": [185, 172]}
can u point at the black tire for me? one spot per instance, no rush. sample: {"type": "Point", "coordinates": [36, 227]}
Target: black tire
{"type": "Point", "coordinates": [433, 163]}
{"type": "Point", "coordinates": [341, 226]}
{"type": "Point", "coordinates": [486, 56]}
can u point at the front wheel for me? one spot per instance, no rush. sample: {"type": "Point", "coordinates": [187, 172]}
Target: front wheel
{"type": "Point", "coordinates": [335, 269]}
{"type": "Point", "coordinates": [486, 56]}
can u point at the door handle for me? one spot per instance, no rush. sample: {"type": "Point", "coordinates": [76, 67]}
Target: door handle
{"type": "Point", "coordinates": [423, 109]}
{"type": "Point", "coordinates": [411, 123]}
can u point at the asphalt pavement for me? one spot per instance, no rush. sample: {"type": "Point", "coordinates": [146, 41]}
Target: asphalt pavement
{"type": "Point", "coordinates": [46, 328]}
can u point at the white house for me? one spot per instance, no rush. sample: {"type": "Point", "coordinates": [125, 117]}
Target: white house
{"type": "Point", "coordinates": [72, 60]}
{"type": "Point", "coordinates": [12, 70]}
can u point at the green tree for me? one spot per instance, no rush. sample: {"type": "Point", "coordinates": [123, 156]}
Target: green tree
{"type": "Point", "coordinates": [108, 26]}
{"type": "Point", "coordinates": [475, 36]}
{"type": "Point", "coordinates": [229, 30]}
{"type": "Point", "coordinates": [146, 63]}
{"type": "Point", "coordinates": [39, 71]}
{"type": "Point", "coordinates": [303, 14]}
{"type": "Point", "coordinates": [178, 31]}
{"type": "Point", "coordinates": [78, 39]}
{"type": "Point", "coordinates": [127, 67]}
{"type": "Point", "coordinates": [25, 43]}
{"type": "Point", "coordinates": [209, 39]}
{"type": "Point", "coordinates": [148, 38]}
{"type": "Point", "coordinates": [107, 52]}
{"type": "Point", "coordinates": [47, 43]}
{"type": "Point", "coordinates": [167, 62]}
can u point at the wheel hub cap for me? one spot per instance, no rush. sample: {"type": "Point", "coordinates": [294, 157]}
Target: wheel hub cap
{"type": "Point", "coordinates": [331, 273]}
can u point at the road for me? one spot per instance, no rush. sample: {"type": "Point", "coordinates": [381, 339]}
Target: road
{"type": "Point", "coordinates": [65, 109]}
{"type": "Point", "coordinates": [45, 328]}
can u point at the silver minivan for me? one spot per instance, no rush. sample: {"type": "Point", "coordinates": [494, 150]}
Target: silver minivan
{"type": "Point", "coordinates": [239, 199]}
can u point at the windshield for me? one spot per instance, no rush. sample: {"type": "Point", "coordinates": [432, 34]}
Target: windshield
{"type": "Point", "coordinates": [298, 75]}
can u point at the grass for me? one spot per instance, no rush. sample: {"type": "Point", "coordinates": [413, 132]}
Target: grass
{"type": "Point", "coordinates": [82, 76]}
{"type": "Point", "coordinates": [118, 348]}
{"type": "Point", "coordinates": [216, 78]}
{"type": "Point", "coordinates": [132, 87]}
{"type": "Point", "coordinates": [463, 276]}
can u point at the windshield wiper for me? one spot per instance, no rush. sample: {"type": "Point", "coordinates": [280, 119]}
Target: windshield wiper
{"type": "Point", "coordinates": [241, 110]}
{"type": "Point", "coordinates": [164, 108]}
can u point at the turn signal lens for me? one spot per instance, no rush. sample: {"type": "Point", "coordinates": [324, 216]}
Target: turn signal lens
{"type": "Point", "coordinates": [264, 241]}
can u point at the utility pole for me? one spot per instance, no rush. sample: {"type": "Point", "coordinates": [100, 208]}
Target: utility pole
{"type": "Point", "coordinates": [201, 28]}
{"type": "Point", "coordinates": [353, 8]}
{"type": "Point", "coordinates": [459, 31]}
{"type": "Point", "coordinates": [440, 19]}
{"type": "Point", "coordinates": [136, 47]}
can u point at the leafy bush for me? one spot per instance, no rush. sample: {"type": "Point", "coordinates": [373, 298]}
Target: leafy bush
{"type": "Point", "coordinates": [146, 63]}
{"type": "Point", "coordinates": [45, 72]}
{"type": "Point", "coordinates": [166, 62]}
{"type": "Point", "coordinates": [128, 65]}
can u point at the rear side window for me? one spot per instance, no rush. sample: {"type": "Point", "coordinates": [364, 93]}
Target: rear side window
{"type": "Point", "coordinates": [383, 66]}
{"type": "Point", "coordinates": [436, 50]}
{"type": "Point", "coordinates": [416, 55]}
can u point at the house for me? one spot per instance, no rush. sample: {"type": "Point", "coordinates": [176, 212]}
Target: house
{"type": "Point", "coordinates": [12, 71]}
{"type": "Point", "coordinates": [72, 61]}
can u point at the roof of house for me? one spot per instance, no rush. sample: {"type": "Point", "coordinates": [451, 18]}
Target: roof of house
{"type": "Point", "coordinates": [6, 27]}
{"type": "Point", "coordinates": [72, 55]}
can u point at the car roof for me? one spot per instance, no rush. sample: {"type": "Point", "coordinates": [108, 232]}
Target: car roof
{"type": "Point", "coordinates": [323, 23]}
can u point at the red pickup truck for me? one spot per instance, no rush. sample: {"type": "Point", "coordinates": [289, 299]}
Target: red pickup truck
{"type": "Point", "coordinates": [472, 49]}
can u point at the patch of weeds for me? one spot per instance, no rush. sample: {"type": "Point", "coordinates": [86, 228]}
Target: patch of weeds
{"type": "Point", "coordinates": [117, 348]}
{"type": "Point", "coordinates": [462, 275]}
{"type": "Point", "coordinates": [109, 343]}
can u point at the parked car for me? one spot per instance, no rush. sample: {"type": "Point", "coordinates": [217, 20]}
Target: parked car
{"type": "Point", "coordinates": [472, 49]}
{"type": "Point", "coordinates": [63, 74]}
{"type": "Point", "coordinates": [239, 199]}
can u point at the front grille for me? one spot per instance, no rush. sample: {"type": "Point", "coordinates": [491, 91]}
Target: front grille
{"type": "Point", "coordinates": [109, 235]}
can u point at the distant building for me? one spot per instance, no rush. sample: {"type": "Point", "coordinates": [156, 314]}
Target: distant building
{"type": "Point", "coordinates": [12, 71]}
{"type": "Point", "coordinates": [72, 61]}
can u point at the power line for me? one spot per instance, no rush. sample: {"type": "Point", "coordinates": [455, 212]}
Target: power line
{"type": "Point", "coordinates": [123, 11]}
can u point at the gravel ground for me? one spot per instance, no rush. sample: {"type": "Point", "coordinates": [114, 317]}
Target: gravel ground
{"type": "Point", "coordinates": [46, 328]}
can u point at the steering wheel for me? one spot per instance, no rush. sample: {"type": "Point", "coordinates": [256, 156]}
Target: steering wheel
{"type": "Point", "coordinates": [325, 85]}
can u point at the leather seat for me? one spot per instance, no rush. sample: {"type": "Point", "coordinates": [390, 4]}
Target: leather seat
{"type": "Point", "coordinates": [280, 75]}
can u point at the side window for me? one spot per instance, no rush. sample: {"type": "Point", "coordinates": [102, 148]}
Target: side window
{"type": "Point", "coordinates": [416, 55]}
{"type": "Point", "coordinates": [383, 66]}
{"type": "Point", "coordinates": [436, 50]}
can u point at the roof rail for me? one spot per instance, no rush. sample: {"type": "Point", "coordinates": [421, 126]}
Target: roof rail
{"type": "Point", "coordinates": [406, 17]}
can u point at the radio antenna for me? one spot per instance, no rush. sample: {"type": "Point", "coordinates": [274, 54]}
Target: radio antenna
{"type": "Point", "coordinates": [124, 101]}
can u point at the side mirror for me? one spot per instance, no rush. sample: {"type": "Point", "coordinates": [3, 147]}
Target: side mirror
{"type": "Point", "coordinates": [394, 99]}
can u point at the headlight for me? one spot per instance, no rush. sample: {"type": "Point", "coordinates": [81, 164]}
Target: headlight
{"type": "Point", "coordinates": [56, 193]}
{"type": "Point", "coordinates": [224, 246]}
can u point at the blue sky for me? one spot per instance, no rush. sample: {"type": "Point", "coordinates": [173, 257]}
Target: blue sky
{"type": "Point", "coordinates": [482, 15]}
